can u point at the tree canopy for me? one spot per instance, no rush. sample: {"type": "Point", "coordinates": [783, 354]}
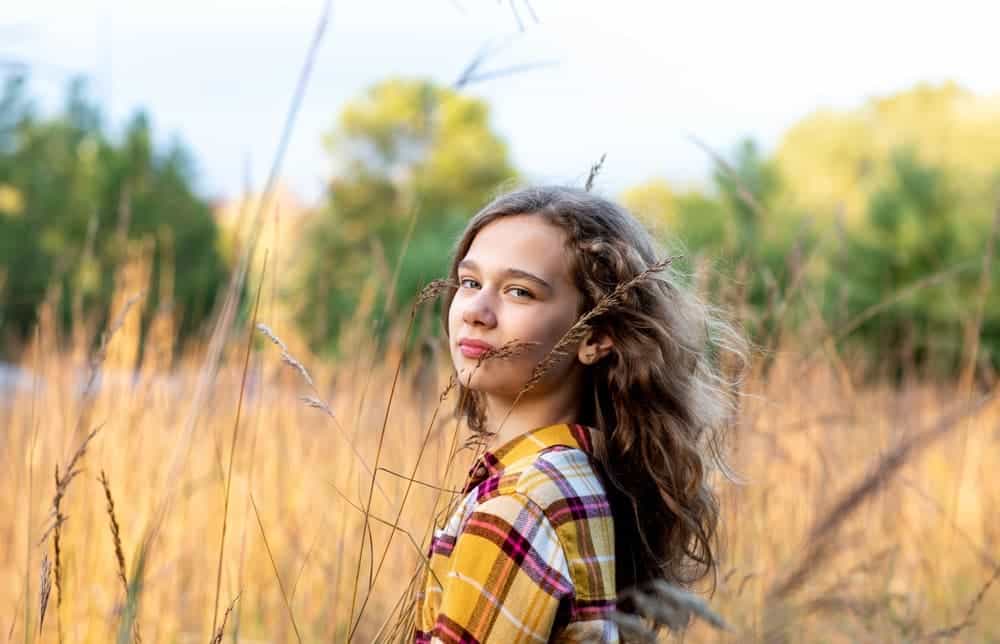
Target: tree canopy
{"type": "Point", "coordinates": [885, 214]}
{"type": "Point", "coordinates": [878, 217]}
{"type": "Point", "coordinates": [406, 151]}
{"type": "Point", "coordinates": [834, 160]}
{"type": "Point", "coordinates": [72, 198]}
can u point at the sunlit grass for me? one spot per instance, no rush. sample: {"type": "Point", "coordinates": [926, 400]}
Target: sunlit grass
{"type": "Point", "coordinates": [907, 563]}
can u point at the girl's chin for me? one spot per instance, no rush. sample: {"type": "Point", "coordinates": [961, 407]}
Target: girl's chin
{"type": "Point", "coordinates": [485, 384]}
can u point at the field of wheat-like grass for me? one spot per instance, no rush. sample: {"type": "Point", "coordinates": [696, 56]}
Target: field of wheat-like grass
{"type": "Point", "coordinates": [864, 513]}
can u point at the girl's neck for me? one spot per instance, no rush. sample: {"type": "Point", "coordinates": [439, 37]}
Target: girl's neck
{"type": "Point", "coordinates": [529, 413]}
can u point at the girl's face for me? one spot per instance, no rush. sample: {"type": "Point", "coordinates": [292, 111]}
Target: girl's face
{"type": "Point", "coordinates": [515, 283]}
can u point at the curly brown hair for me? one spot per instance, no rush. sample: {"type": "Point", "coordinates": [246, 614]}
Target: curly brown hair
{"type": "Point", "coordinates": [661, 398]}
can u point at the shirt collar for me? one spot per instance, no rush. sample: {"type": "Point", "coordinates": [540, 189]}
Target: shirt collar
{"type": "Point", "coordinates": [494, 462]}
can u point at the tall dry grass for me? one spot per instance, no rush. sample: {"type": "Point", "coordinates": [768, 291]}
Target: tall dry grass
{"type": "Point", "coordinates": [867, 512]}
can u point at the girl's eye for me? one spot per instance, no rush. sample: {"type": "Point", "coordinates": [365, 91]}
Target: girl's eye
{"type": "Point", "coordinates": [527, 293]}
{"type": "Point", "coordinates": [466, 279]}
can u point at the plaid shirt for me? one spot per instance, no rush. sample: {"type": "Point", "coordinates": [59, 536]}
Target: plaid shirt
{"type": "Point", "coordinates": [528, 554]}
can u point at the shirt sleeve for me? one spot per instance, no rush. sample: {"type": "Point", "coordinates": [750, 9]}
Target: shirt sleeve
{"type": "Point", "coordinates": [508, 574]}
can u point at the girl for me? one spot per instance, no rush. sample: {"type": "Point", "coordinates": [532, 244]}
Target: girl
{"type": "Point", "coordinates": [596, 476]}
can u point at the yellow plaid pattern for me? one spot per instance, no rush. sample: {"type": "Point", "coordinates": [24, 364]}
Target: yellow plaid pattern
{"type": "Point", "coordinates": [528, 555]}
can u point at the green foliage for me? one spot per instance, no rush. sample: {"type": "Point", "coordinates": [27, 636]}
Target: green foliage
{"type": "Point", "coordinates": [737, 224]}
{"type": "Point", "coordinates": [407, 152]}
{"type": "Point", "coordinates": [834, 160]}
{"type": "Point", "coordinates": [903, 278]}
{"type": "Point", "coordinates": [862, 205]}
{"type": "Point", "coordinates": [914, 229]}
{"type": "Point", "coordinates": [66, 180]}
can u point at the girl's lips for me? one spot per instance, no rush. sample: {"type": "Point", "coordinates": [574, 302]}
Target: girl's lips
{"type": "Point", "coordinates": [472, 351]}
{"type": "Point", "coordinates": [473, 348]}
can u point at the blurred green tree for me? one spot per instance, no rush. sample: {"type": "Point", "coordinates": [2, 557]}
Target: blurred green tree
{"type": "Point", "coordinates": [407, 152]}
{"type": "Point", "coordinates": [738, 224]}
{"type": "Point", "coordinates": [64, 180]}
{"type": "Point", "coordinates": [914, 231]}
{"type": "Point", "coordinates": [834, 160]}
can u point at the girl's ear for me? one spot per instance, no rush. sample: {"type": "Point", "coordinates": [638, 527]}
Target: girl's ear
{"type": "Point", "coordinates": [594, 346]}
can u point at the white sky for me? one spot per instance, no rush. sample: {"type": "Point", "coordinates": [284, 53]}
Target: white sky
{"type": "Point", "coordinates": [633, 79]}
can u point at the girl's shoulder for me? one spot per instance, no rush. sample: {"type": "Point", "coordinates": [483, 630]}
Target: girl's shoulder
{"type": "Point", "coordinates": [563, 482]}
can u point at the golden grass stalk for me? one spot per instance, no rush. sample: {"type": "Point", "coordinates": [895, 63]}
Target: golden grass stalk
{"type": "Point", "coordinates": [274, 566]}
{"type": "Point", "coordinates": [130, 614]}
{"type": "Point", "coordinates": [232, 446]}
{"type": "Point", "coordinates": [115, 535]}
{"type": "Point", "coordinates": [119, 554]}
{"type": "Point", "coordinates": [406, 494]}
{"type": "Point", "coordinates": [508, 350]}
{"type": "Point", "coordinates": [416, 546]}
{"type": "Point", "coordinates": [246, 510]}
{"type": "Point", "coordinates": [403, 604]}
{"type": "Point", "coordinates": [315, 401]}
{"type": "Point", "coordinates": [97, 359]}
{"type": "Point", "coordinates": [58, 518]}
{"type": "Point", "coordinates": [231, 297]}
{"type": "Point", "coordinates": [31, 501]}
{"type": "Point", "coordinates": [44, 588]}
{"type": "Point", "coordinates": [581, 327]}
{"type": "Point", "coordinates": [217, 638]}
{"type": "Point", "coordinates": [371, 488]}
{"type": "Point", "coordinates": [414, 579]}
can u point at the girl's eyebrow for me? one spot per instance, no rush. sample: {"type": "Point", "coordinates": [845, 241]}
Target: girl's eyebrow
{"type": "Point", "coordinates": [510, 272]}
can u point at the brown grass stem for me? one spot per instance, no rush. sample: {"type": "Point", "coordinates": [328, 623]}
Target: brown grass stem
{"type": "Point", "coordinates": [594, 171]}
{"type": "Point", "coordinates": [743, 192]}
{"type": "Point", "coordinates": [230, 300]}
{"type": "Point", "coordinates": [411, 479]}
{"type": "Point", "coordinates": [117, 543]}
{"type": "Point", "coordinates": [97, 358]}
{"type": "Point", "coordinates": [274, 566]}
{"type": "Point", "coordinates": [406, 494]}
{"type": "Point", "coordinates": [44, 588]}
{"type": "Point", "coordinates": [416, 546]}
{"type": "Point", "coordinates": [31, 495]}
{"type": "Point", "coordinates": [371, 488]}
{"type": "Point", "coordinates": [452, 452]}
{"type": "Point", "coordinates": [246, 507]}
{"type": "Point", "coordinates": [315, 401]}
{"type": "Point", "coordinates": [217, 638]}
{"type": "Point", "coordinates": [58, 518]}
{"type": "Point", "coordinates": [232, 444]}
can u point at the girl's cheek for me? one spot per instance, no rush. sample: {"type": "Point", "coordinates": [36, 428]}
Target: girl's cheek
{"type": "Point", "coordinates": [454, 314]}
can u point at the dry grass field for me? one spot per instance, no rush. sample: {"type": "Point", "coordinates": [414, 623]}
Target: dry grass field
{"type": "Point", "coordinates": [864, 514]}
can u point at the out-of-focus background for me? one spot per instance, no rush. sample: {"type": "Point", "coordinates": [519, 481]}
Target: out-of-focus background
{"type": "Point", "coordinates": [173, 175]}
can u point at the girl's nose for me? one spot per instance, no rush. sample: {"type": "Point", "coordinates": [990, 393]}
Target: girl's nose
{"type": "Point", "coordinates": [478, 310]}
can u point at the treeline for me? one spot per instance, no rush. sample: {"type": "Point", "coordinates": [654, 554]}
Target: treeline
{"type": "Point", "coordinates": [73, 199]}
{"type": "Point", "coordinates": [877, 221]}
{"type": "Point", "coordinates": [882, 219]}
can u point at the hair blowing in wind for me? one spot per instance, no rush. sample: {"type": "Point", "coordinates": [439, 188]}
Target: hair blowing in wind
{"type": "Point", "coordinates": [662, 398]}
